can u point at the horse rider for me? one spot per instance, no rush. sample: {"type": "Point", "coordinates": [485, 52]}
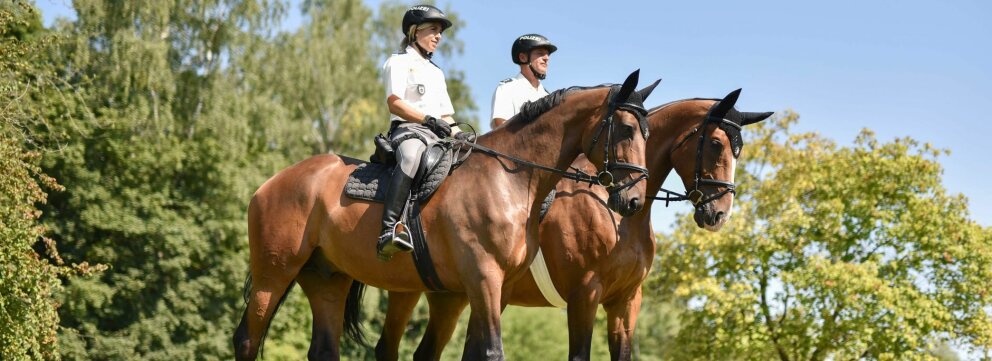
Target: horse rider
{"type": "Point", "coordinates": [420, 113]}
{"type": "Point", "coordinates": [531, 52]}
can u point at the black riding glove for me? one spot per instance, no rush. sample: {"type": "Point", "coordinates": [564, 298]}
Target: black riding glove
{"type": "Point", "coordinates": [465, 136]}
{"type": "Point", "coordinates": [438, 126]}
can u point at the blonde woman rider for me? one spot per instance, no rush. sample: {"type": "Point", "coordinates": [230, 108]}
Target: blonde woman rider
{"type": "Point", "coordinates": [420, 113]}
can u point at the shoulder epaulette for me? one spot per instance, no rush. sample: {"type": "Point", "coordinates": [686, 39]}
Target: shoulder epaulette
{"type": "Point", "coordinates": [507, 80]}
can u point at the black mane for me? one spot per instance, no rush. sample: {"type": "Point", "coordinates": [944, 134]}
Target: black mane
{"type": "Point", "coordinates": [533, 109]}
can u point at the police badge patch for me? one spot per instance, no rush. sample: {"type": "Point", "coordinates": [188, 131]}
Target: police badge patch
{"type": "Point", "coordinates": [421, 89]}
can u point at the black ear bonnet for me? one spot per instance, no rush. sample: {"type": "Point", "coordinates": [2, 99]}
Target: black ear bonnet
{"type": "Point", "coordinates": [730, 120]}
{"type": "Point", "coordinates": [732, 127]}
{"type": "Point", "coordinates": [635, 104]}
{"type": "Point", "coordinates": [726, 117]}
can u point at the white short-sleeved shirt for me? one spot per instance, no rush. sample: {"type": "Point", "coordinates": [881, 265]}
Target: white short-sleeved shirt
{"type": "Point", "coordinates": [512, 93]}
{"type": "Point", "coordinates": [418, 82]}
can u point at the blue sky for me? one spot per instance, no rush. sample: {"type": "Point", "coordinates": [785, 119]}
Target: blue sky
{"type": "Point", "coordinates": [901, 68]}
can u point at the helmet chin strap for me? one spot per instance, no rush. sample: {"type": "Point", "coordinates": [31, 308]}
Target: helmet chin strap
{"type": "Point", "coordinates": [530, 64]}
{"type": "Point", "coordinates": [424, 51]}
{"type": "Point", "coordinates": [536, 74]}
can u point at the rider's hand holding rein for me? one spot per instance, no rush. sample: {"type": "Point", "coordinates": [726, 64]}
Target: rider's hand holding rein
{"type": "Point", "coordinates": [408, 113]}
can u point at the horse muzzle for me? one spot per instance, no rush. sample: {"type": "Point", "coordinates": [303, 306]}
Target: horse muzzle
{"type": "Point", "coordinates": [708, 218]}
{"type": "Point", "coordinates": [625, 203]}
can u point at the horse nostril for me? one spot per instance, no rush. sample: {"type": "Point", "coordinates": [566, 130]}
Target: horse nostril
{"type": "Point", "coordinates": [718, 218]}
{"type": "Point", "coordinates": [634, 204]}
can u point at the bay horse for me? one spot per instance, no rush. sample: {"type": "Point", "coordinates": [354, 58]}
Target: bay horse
{"type": "Point", "coordinates": [593, 257]}
{"type": "Point", "coordinates": [481, 221]}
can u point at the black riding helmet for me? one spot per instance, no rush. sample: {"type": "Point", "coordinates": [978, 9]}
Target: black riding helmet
{"type": "Point", "coordinates": [420, 14]}
{"type": "Point", "coordinates": [526, 43]}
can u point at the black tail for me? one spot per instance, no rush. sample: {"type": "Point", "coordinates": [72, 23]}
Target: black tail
{"type": "Point", "coordinates": [247, 292]}
{"type": "Point", "coordinates": [353, 314]}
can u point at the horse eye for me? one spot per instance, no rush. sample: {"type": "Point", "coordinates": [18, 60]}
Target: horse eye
{"type": "Point", "coordinates": [716, 143]}
{"type": "Point", "coordinates": [627, 130]}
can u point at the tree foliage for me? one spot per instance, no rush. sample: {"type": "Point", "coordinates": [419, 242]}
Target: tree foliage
{"type": "Point", "coordinates": [833, 252]}
{"type": "Point", "coordinates": [157, 177]}
{"type": "Point", "coordinates": [28, 281]}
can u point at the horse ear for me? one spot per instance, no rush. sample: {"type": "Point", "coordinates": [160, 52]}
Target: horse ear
{"type": "Point", "coordinates": [723, 106]}
{"type": "Point", "coordinates": [628, 85]}
{"type": "Point", "coordinates": [648, 89]}
{"type": "Point", "coordinates": [754, 117]}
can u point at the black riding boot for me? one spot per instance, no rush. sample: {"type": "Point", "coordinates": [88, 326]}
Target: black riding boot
{"type": "Point", "coordinates": [396, 196]}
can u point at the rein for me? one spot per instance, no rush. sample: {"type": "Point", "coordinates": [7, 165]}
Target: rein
{"type": "Point", "coordinates": [604, 178]}
{"type": "Point", "coordinates": [695, 196]}
{"type": "Point", "coordinates": [577, 175]}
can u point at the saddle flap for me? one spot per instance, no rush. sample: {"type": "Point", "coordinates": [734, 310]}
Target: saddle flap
{"type": "Point", "coordinates": [435, 164]}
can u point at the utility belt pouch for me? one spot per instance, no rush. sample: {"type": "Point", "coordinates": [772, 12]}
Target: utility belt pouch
{"type": "Point", "coordinates": [384, 153]}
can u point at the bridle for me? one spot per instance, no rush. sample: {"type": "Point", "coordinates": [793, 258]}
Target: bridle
{"type": "Point", "coordinates": [604, 178]}
{"type": "Point", "coordinates": [696, 196]}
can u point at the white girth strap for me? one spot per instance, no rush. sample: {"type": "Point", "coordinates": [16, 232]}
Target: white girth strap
{"type": "Point", "coordinates": [543, 279]}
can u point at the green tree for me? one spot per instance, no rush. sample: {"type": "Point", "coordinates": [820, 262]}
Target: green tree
{"type": "Point", "coordinates": [28, 281]}
{"type": "Point", "coordinates": [325, 75]}
{"type": "Point", "coordinates": [158, 174]}
{"type": "Point", "coordinates": [832, 253]}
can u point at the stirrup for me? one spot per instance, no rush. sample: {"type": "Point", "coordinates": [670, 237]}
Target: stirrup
{"type": "Point", "coordinates": [395, 241]}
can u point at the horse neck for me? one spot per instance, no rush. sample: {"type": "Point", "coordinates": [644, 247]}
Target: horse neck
{"type": "Point", "coordinates": [554, 139]}
{"type": "Point", "coordinates": [668, 125]}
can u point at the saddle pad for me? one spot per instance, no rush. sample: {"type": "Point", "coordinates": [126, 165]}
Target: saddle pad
{"type": "Point", "coordinates": [369, 180]}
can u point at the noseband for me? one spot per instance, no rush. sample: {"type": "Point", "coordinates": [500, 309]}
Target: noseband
{"type": "Point", "coordinates": [696, 196]}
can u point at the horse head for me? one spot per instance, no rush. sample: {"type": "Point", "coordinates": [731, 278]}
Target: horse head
{"type": "Point", "coordinates": [615, 144]}
{"type": "Point", "coordinates": [706, 158]}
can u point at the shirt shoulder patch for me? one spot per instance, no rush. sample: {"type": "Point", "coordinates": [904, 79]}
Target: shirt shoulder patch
{"type": "Point", "coordinates": [507, 80]}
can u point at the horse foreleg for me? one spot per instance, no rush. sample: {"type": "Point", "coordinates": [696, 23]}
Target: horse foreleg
{"type": "Point", "coordinates": [582, 308]}
{"type": "Point", "coordinates": [621, 318]}
{"type": "Point", "coordinates": [327, 295]}
{"type": "Point", "coordinates": [444, 311]}
{"type": "Point", "coordinates": [400, 308]}
{"type": "Point", "coordinates": [483, 340]}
